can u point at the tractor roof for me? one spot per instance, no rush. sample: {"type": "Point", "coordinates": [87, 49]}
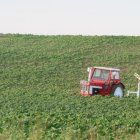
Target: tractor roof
{"type": "Point", "coordinates": [106, 68]}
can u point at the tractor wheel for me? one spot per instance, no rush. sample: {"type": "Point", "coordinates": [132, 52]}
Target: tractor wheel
{"type": "Point", "coordinates": [117, 91]}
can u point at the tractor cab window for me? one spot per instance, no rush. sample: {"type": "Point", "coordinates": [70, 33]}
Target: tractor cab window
{"type": "Point", "coordinates": [115, 75]}
{"type": "Point", "coordinates": [100, 74]}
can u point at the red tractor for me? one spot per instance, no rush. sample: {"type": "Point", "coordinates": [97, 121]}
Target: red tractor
{"type": "Point", "coordinates": [103, 81]}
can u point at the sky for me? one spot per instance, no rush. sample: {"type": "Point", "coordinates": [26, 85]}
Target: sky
{"type": "Point", "coordinates": [70, 17]}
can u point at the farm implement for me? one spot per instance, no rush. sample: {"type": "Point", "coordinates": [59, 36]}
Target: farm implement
{"type": "Point", "coordinates": [138, 91]}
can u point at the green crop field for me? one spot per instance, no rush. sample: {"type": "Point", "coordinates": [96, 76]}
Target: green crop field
{"type": "Point", "coordinates": [39, 88]}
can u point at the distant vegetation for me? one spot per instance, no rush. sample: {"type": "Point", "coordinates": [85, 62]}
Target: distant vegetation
{"type": "Point", "coordinates": [39, 88]}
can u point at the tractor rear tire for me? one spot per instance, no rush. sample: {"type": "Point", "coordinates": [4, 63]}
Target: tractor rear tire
{"type": "Point", "coordinates": [117, 91]}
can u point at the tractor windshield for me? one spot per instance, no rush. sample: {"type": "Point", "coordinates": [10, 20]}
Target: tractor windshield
{"type": "Point", "coordinates": [100, 74]}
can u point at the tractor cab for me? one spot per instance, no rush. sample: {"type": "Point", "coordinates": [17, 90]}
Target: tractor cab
{"type": "Point", "coordinates": [102, 80]}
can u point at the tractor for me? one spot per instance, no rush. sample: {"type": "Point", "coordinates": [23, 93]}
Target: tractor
{"type": "Point", "coordinates": [103, 81]}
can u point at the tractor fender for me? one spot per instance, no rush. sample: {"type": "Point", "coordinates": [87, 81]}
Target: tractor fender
{"type": "Point", "coordinates": [115, 85]}
{"type": "Point", "coordinates": [122, 85]}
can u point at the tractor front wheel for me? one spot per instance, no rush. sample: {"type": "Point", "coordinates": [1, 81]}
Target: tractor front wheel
{"type": "Point", "coordinates": [117, 91]}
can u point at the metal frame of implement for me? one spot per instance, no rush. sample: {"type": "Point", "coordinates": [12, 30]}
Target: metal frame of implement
{"type": "Point", "coordinates": [137, 92]}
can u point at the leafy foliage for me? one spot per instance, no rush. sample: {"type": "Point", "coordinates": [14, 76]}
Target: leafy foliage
{"type": "Point", "coordinates": [39, 86]}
